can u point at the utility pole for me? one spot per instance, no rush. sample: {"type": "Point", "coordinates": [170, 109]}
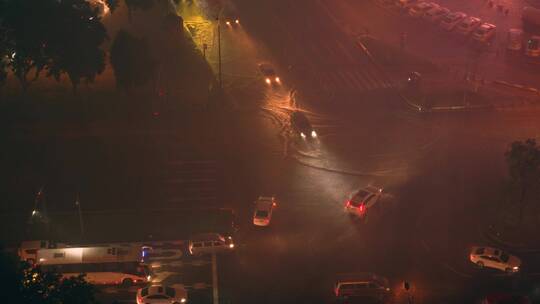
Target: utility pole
{"type": "Point", "coordinates": [80, 215]}
{"type": "Point", "coordinates": [219, 52]}
{"type": "Point", "coordinates": [215, 294]}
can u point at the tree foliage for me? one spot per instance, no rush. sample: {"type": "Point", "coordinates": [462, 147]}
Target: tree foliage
{"type": "Point", "coordinates": [56, 36]}
{"type": "Point", "coordinates": [523, 160]}
{"type": "Point", "coordinates": [112, 4]}
{"type": "Point", "coordinates": [131, 60]}
{"type": "Point", "coordinates": [133, 5]}
{"type": "Point", "coordinates": [24, 284]}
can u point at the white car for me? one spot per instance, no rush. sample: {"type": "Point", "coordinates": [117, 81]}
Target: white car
{"type": "Point", "coordinates": [418, 10]}
{"type": "Point", "coordinates": [467, 25]}
{"type": "Point", "coordinates": [363, 200]}
{"type": "Point", "coordinates": [436, 13]}
{"type": "Point", "coordinates": [269, 74]}
{"type": "Point", "coordinates": [160, 294]}
{"type": "Point", "coordinates": [208, 243]}
{"type": "Point", "coordinates": [264, 207]}
{"type": "Point", "coordinates": [494, 258]}
{"type": "Point", "coordinates": [450, 21]}
{"type": "Point", "coordinates": [485, 32]}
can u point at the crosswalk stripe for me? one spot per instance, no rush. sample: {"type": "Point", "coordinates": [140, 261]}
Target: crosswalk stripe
{"type": "Point", "coordinates": [361, 79]}
{"type": "Point", "coordinates": [368, 83]}
{"type": "Point", "coordinates": [342, 80]}
{"type": "Point", "coordinates": [370, 77]}
{"type": "Point", "coordinates": [357, 84]}
{"type": "Point", "coordinates": [350, 84]}
{"type": "Point", "coordinates": [345, 51]}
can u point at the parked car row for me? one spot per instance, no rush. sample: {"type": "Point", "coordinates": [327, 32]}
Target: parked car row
{"type": "Point", "coordinates": [464, 25]}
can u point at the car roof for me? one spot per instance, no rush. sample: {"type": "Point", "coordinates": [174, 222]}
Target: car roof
{"type": "Point", "coordinates": [266, 68]}
{"type": "Point", "coordinates": [264, 204]}
{"type": "Point", "coordinates": [207, 237]}
{"type": "Point", "coordinates": [156, 289]}
{"type": "Point", "coordinates": [488, 250]}
{"type": "Point", "coordinates": [345, 278]}
{"type": "Point", "coordinates": [487, 25]}
{"type": "Point", "coordinates": [372, 189]}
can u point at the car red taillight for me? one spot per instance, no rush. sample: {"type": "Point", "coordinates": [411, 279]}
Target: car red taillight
{"type": "Point", "coordinates": [362, 208]}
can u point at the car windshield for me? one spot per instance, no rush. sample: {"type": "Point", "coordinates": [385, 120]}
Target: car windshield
{"type": "Point", "coordinates": [479, 251]}
{"type": "Point", "coordinates": [504, 257]}
{"type": "Point", "coordinates": [360, 195]}
{"type": "Point", "coordinates": [157, 297]}
{"type": "Point", "coordinates": [533, 43]}
{"type": "Point", "coordinates": [261, 214]}
{"type": "Point", "coordinates": [170, 292]}
{"type": "Point", "coordinates": [144, 292]}
{"type": "Point", "coordinates": [268, 71]}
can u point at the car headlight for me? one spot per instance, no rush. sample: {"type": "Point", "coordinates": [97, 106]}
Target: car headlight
{"type": "Point", "coordinates": [228, 22]}
{"type": "Point", "coordinates": [268, 81]}
{"type": "Point", "coordinates": [237, 21]}
{"type": "Point", "coordinates": [183, 300]}
{"type": "Point", "coordinates": [278, 80]}
{"type": "Point", "coordinates": [149, 278]}
{"type": "Point", "coordinates": [313, 134]}
{"type": "Point", "coordinates": [231, 245]}
{"type": "Point", "coordinates": [515, 268]}
{"type": "Point", "coordinates": [302, 134]}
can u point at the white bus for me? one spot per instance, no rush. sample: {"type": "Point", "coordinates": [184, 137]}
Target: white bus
{"type": "Point", "coordinates": [28, 249]}
{"type": "Point", "coordinates": [102, 265]}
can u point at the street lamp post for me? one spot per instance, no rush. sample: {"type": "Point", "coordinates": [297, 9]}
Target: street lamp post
{"type": "Point", "coordinates": [78, 203]}
{"type": "Point", "coordinates": [219, 52]}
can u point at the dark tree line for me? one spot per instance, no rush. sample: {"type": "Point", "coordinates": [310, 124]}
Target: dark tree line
{"type": "Point", "coordinates": [23, 284]}
{"type": "Point", "coordinates": [523, 160]}
{"type": "Point", "coordinates": [131, 60]}
{"type": "Point", "coordinates": [54, 37]}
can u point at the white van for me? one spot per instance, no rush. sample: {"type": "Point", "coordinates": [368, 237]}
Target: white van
{"type": "Point", "coordinates": [366, 286]}
{"type": "Point", "coordinates": [206, 243]}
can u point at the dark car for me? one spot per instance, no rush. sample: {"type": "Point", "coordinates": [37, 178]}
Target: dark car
{"type": "Point", "coordinates": [269, 74]}
{"type": "Point", "coordinates": [300, 124]}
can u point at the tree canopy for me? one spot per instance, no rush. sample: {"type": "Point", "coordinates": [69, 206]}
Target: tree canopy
{"type": "Point", "coordinates": [56, 36]}
{"type": "Point", "coordinates": [131, 60]}
{"type": "Point", "coordinates": [523, 160]}
{"type": "Point", "coordinates": [24, 284]}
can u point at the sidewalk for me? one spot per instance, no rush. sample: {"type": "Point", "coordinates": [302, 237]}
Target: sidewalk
{"type": "Point", "coordinates": [509, 232]}
{"type": "Point", "coordinates": [442, 88]}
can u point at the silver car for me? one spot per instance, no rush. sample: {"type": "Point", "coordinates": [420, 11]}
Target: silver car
{"type": "Point", "coordinates": [418, 10]}
{"type": "Point", "coordinates": [468, 25]}
{"type": "Point", "coordinates": [494, 258]}
{"type": "Point", "coordinates": [485, 32]}
{"type": "Point", "coordinates": [436, 13]}
{"type": "Point", "coordinates": [450, 21]}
